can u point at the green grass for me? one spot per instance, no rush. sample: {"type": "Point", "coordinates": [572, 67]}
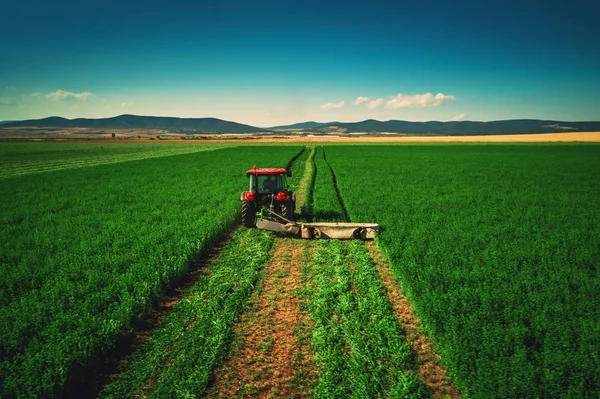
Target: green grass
{"type": "Point", "coordinates": [359, 346]}
{"type": "Point", "coordinates": [306, 211]}
{"type": "Point", "coordinates": [327, 205]}
{"type": "Point", "coordinates": [178, 359]}
{"type": "Point", "coordinates": [297, 166]}
{"type": "Point", "coordinates": [18, 159]}
{"type": "Point", "coordinates": [497, 247]}
{"type": "Point", "coordinates": [84, 252]}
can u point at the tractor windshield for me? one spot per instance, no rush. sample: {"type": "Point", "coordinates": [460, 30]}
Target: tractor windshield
{"type": "Point", "coordinates": [267, 183]}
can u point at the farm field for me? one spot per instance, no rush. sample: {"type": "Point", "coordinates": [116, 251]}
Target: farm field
{"type": "Point", "coordinates": [339, 279]}
{"type": "Point", "coordinates": [496, 247]}
{"type": "Point", "coordinates": [18, 158]}
{"type": "Point", "coordinates": [85, 251]}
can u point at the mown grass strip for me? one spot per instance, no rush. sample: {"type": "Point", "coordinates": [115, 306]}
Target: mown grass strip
{"type": "Point", "coordinates": [178, 359]}
{"type": "Point", "coordinates": [429, 369]}
{"type": "Point", "coordinates": [306, 200]}
{"type": "Point", "coordinates": [17, 159]}
{"type": "Point", "coordinates": [357, 340]}
{"type": "Point", "coordinates": [270, 355]}
{"type": "Point", "coordinates": [296, 166]}
{"type": "Point", "coordinates": [328, 204]}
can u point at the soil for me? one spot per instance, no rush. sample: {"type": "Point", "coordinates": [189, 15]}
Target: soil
{"type": "Point", "coordinates": [271, 358]}
{"type": "Point", "coordinates": [430, 371]}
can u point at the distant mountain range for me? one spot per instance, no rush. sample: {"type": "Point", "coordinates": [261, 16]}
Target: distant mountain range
{"type": "Point", "coordinates": [199, 125]}
{"type": "Point", "coordinates": [303, 125]}
{"type": "Point", "coordinates": [214, 125]}
{"type": "Point", "coordinates": [460, 128]}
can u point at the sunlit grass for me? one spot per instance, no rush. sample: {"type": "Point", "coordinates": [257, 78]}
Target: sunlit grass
{"type": "Point", "coordinates": [498, 248]}
{"type": "Point", "coordinates": [84, 252]}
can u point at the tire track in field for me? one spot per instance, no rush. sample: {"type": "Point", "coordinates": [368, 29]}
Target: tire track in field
{"type": "Point", "coordinates": [337, 189]}
{"type": "Point", "coordinates": [430, 371]}
{"type": "Point", "coordinates": [20, 168]}
{"type": "Point", "coordinates": [271, 355]}
{"type": "Point", "coordinates": [271, 352]}
{"type": "Point", "coordinates": [90, 382]}
{"type": "Point", "coordinates": [304, 196]}
{"type": "Point", "coordinates": [302, 193]}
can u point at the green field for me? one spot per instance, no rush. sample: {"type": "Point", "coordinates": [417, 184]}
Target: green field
{"type": "Point", "coordinates": [84, 252]}
{"type": "Point", "coordinates": [359, 345]}
{"type": "Point", "coordinates": [496, 245]}
{"type": "Point", "coordinates": [24, 158]}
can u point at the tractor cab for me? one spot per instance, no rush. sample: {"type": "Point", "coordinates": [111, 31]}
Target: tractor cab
{"type": "Point", "coordinates": [267, 183]}
{"type": "Point", "coordinates": [268, 189]}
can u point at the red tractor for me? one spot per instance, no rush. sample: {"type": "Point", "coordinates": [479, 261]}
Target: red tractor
{"type": "Point", "coordinates": [268, 191]}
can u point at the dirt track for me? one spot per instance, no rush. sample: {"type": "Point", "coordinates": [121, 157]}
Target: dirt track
{"type": "Point", "coordinates": [272, 359]}
{"type": "Point", "coordinates": [430, 370]}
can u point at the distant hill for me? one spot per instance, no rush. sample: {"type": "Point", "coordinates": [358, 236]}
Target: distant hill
{"type": "Point", "coordinates": [199, 125]}
{"type": "Point", "coordinates": [303, 125]}
{"type": "Point", "coordinates": [461, 128]}
{"type": "Point", "coordinates": [214, 125]}
{"type": "Point", "coordinates": [5, 122]}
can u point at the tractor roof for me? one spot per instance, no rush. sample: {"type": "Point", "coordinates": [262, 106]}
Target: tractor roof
{"type": "Point", "coordinates": [265, 171]}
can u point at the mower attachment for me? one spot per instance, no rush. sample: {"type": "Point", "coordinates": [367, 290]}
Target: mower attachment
{"type": "Point", "coordinates": [289, 228]}
{"type": "Point", "coordinates": [340, 231]}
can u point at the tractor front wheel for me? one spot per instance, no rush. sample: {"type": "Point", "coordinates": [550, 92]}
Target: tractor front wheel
{"type": "Point", "coordinates": [248, 214]}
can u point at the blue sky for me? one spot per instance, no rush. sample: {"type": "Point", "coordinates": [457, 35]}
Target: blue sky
{"type": "Point", "coordinates": [267, 63]}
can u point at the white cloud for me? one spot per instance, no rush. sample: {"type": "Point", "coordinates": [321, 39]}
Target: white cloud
{"type": "Point", "coordinates": [417, 100]}
{"type": "Point", "coordinates": [127, 104]}
{"type": "Point", "coordinates": [333, 105]}
{"type": "Point", "coordinates": [459, 117]}
{"type": "Point", "coordinates": [8, 101]}
{"type": "Point", "coordinates": [375, 103]}
{"type": "Point", "coordinates": [61, 95]}
{"type": "Point", "coordinates": [360, 100]}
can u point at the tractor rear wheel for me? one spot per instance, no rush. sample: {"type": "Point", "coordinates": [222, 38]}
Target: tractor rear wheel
{"type": "Point", "coordinates": [248, 214]}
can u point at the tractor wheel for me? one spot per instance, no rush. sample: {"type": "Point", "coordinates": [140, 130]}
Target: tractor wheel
{"type": "Point", "coordinates": [287, 210]}
{"type": "Point", "coordinates": [248, 214]}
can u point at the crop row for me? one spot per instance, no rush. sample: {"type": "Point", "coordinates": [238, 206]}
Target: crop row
{"type": "Point", "coordinates": [358, 343]}
{"type": "Point", "coordinates": [181, 354]}
{"type": "Point", "coordinates": [179, 358]}
{"type": "Point", "coordinates": [84, 252]}
{"type": "Point", "coordinates": [19, 159]}
{"type": "Point", "coordinates": [327, 205]}
{"type": "Point", "coordinates": [497, 248]}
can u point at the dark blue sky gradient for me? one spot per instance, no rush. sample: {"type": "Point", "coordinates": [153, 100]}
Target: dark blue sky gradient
{"type": "Point", "coordinates": [237, 60]}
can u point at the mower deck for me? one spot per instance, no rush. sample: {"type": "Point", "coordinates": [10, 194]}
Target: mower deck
{"type": "Point", "coordinates": [310, 230]}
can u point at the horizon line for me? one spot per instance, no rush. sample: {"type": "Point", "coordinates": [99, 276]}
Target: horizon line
{"type": "Point", "coordinates": [294, 123]}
